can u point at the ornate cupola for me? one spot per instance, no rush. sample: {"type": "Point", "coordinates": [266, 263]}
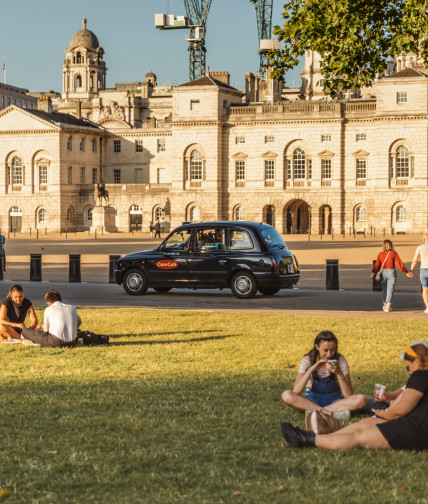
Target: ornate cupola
{"type": "Point", "coordinates": [84, 70]}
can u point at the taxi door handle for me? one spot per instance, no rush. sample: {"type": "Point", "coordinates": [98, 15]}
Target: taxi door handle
{"type": "Point", "coordinates": [222, 261]}
{"type": "Point", "coordinates": [182, 261]}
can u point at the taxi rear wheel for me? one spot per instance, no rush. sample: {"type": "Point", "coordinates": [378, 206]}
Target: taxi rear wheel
{"type": "Point", "coordinates": [135, 282]}
{"type": "Point", "coordinates": [243, 285]}
{"type": "Point", "coordinates": [269, 291]}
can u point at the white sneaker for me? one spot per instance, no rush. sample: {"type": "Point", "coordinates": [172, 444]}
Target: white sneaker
{"type": "Point", "coordinates": [426, 311]}
{"type": "Point", "coordinates": [341, 415]}
{"type": "Point", "coordinates": [385, 307]}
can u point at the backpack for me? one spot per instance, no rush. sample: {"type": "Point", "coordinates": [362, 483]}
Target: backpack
{"type": "Point", "coordinates": [90, 338]}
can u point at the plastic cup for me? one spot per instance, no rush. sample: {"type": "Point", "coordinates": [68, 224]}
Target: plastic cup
{"type": "Point", "coordinates": [378, 391]}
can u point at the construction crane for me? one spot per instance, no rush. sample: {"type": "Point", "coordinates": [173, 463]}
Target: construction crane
{"type": "Point", "coordinates": [264, 29]}
{"type": "Point", "coordinates": [195, 21]}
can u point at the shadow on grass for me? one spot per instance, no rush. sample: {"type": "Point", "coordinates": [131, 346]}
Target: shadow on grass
{"type": "Point", "coordinates": [113, 341]}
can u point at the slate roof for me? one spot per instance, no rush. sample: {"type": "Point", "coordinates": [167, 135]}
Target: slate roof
{"type": "Point", "coordinates": [56, 117]}
{"type": "Point", "coordinates": [207, 81]}
{"type": "Point", "coordinates": [408, 72]}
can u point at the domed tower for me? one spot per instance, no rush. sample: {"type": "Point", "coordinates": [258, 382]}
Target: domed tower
{"type": "Point", "coordinates": [151, 78]}
{"type": "Point", "coordinates": [84, 70]}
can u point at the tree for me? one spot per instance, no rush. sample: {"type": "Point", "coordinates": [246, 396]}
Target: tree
{"type": "Point", "coordinates": [355, 38]}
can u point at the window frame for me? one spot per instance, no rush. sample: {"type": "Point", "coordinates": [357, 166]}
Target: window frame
{"type": "Point", "coordinates": [117, 146]}
{"type": "Point", "coordinates": [117, 176]}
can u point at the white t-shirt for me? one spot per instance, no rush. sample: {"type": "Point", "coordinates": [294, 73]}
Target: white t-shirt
{"type": "Point", "coordinates": [62, 320]}
{"type": "Point", "coordinates": [422, 252]}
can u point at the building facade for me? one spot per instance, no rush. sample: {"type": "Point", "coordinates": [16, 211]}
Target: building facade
{"type": "Point", "coordinates": [206, 151]}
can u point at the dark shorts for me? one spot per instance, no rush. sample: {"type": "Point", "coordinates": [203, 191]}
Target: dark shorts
{"type": "Point", "coordinates": [405, 433]}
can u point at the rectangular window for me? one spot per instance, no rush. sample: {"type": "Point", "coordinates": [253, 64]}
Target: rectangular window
{"type": "Point", "coordinates": [195, 104]}
{"type": "Point", "coordinates": [70, 143]}
{"type": "Point", "coordinates": [269, 169]}
{"type": "Point", "coordinates": [116, 177]}
{"type": "Point", "coordinates": [138, 175]}
{"type": "Point", "coordinates": [326, 137]}
{"type": "Point", "coordinates": [94, 146]}
{"type": "Point", "coordinates": [17, 175]}
{"type": "Point", "coordinates": [240, 170]}
{"type": "Point", "coordinates": [82, 145]}
{"type": "Point", "coordinates": [309, 169]}
{"type": "Point", "coordinates": [161, 175]}
{"type": "Point", "coordinates": [402, 97]}
{"type": "Point", "coordinates": [288, 169]}
{"type": "Point", "coordinates": [116, 146]}
{"type": "Point", "coordinates": [70, 175]}
{"type": "Point", "coordinates": [240, 139]}
{"type": "Point", "coordinates": [94, 175]}
{"type": "Point", "coordinates": [361, 168]}
{"type": "Point", "coordinates": [138, 146]}
{"type": "Point", "coordinates": [43, 175]}
{"type": "Point", "coordinates": [161, 145]}
{"type": "Point", "coordinates": [82, 174]}
{"type": "Point", "coordinates": [269, 139]}
{"type": "Point", "coordinates": [326, 169]}
{"type": "Point", "coordinates": [360, 137]}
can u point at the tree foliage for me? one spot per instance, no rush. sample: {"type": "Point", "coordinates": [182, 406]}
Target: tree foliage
{"type": "Point", "coordinates": [355, 38]}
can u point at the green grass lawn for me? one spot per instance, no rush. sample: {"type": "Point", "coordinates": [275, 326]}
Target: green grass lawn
{"type": "Point", "coordinates": [185, 407]}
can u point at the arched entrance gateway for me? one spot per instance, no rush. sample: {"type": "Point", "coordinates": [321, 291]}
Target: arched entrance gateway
{"type": "Point", "coordinates": [15, 219]}
{"type": "Point", "coordinates": [297, 217]}
{"type": "Point", "coordinates": [325, 219]}
{"type": "Point", "coordinates": [269, 215]}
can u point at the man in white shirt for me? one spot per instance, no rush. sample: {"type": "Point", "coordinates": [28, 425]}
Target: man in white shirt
{"type": "Point", "coordinates": [60, 324]}
{"type": "Point", "coordinates": [422, 254]}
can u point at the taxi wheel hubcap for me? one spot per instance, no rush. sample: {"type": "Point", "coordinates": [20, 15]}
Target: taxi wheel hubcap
{"type": "Point", "coordinates": [134, 282]}
{"type": "Point", "coordinates": [243, 284]}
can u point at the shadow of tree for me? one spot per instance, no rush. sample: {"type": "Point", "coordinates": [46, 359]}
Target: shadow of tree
{"type": "Point", "coordinates": [163, 342]}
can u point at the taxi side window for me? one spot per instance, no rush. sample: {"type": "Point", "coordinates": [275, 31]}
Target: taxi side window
{"type": "Point", "coordinates": [210, 240]}
{"type": "Point", "coordinates": [180, 240]}
{"type": "Point", "coordinates": [240, 240]}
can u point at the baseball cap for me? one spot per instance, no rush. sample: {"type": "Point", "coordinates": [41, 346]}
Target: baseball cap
{"type": "Point", "coordinates": [410, 351]}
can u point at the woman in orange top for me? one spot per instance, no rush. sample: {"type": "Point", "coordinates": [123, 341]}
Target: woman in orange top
{"type": "Point", "coordinates": [386, 262]}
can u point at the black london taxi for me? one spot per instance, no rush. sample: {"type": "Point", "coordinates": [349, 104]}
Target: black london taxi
{"type": "Point", "coordinates": [244, 256]}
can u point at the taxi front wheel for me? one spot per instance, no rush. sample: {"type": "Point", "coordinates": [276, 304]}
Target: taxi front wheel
{"type": "Point", "coordinates": [135, 282]}
{"type": "Point", "coordinates": [243, 285]}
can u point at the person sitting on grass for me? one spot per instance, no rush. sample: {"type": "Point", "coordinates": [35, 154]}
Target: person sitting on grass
{"type": "Point", "coordinates": [60, 324]}
{"type": "Point", "coordinates": [403, 426]}
{"type": "Point", "coordinates": [13, 312]}
{"type": "Point", "coordinates": [325, 375]}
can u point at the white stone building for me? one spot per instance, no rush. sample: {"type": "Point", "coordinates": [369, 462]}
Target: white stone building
{"type": "Point", "coordinates": [206, 151]}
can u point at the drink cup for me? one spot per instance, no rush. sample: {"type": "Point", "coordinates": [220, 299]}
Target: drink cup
{"type": "Point", "coordinates": [378, 391]}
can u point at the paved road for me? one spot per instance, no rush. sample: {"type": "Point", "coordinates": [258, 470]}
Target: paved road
{"type": "Point", "coordinates": [346, 303]}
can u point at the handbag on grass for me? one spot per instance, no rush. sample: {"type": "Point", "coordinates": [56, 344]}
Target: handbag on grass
{"type": "Point", "coordinates": [377, 276]}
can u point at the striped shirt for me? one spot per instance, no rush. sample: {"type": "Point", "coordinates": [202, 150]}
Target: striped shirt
{"type": "Point", "coordinates": [305, 364]}
{"type": "Point", "coordinates": [2, 240]}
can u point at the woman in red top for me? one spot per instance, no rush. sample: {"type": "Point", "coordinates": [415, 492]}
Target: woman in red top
{"type": "Point", "coordinates": [386, 262]}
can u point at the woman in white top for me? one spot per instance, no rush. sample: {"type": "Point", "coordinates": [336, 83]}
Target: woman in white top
{"type": "Point", "coordinates": [422, 254]}
{"type": "Point", "coordinates": [324, 373]}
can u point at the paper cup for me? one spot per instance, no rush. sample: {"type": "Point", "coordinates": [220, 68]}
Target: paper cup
{"type": "Point", "coordinates": [378, 391]}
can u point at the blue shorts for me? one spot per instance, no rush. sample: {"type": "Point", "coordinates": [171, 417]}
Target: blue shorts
{"type": "Point", "coordinates": [323, 399]}
{"type": "Point", "coordinates": [424, 277]}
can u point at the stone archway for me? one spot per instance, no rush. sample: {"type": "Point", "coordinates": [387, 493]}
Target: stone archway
{"type": "Point", "coordinates": [297, 217]}
{"type": "Point", "coordinates": [269, 215]}
{"type": "Point", "coordinates": [325, 217]}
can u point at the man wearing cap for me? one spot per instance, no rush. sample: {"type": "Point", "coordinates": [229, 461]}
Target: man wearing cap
{"type": "Point", "coordinates": [422, 254]}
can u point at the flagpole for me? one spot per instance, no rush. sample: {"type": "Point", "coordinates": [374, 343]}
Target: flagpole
{"type": "Point", "coordinates": [4, 71]}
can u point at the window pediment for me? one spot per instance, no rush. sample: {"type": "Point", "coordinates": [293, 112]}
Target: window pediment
{"type": "Point", "coordinates": [240, 155]}
{"type": "Point", "coordinates": [360, 153]}
{"type": "Point", "coordinates": [43, 161]}
{"type": "Point", "coordinates": [326, 154]}
{"type": "Point", "coordinates": [269, 154]}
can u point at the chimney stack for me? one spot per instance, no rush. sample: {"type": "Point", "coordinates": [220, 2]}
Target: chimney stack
{"type": "Point", "coordinates": [45, 103]}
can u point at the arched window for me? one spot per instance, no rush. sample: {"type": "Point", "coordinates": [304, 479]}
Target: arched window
{"type": "Point", "coordinates": [402, 162]}
{"type": "Point", "coordinates": [42, 215]}
{"type": "Point", "coordinates": [195, 214]}
{"type": "Point", "coordinates": [69, 215]}
{"type": "Point", "coordinates": [401, 213]}
{"type": "Point", "coordinates": [17, 178]}
{"type": "Point", "coordinates": [79, 57]}
{"type": "Point", "coordinates": [196, 165]}
{"type": "Point", "coordinates": [240, 213]}
{"type": "Point", "coordinates": [136, 209]}
{"type": "Point", "coordinates": [299, 164]}
{"type": "Point", "coordinates": [159, 214]}
{"type": "Point", "coordinates": [360, 214]}
{"type": "Point", "coordinates": [78, 81]}
{"type": "Point", "coordinates": [88, 215]}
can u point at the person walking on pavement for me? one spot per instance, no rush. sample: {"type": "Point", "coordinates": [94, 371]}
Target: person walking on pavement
{"type": "Point", "coordinates": [422, 254]}
{"type": "Point", "coordinates": [2, 252]}
{"type": "Point", "coordinates": [386, 262]}
{"type": "Point", "coordinates": [157, 229]}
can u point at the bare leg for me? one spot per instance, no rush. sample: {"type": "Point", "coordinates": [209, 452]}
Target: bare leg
{"type": "Point", "coordinates": [6, 331]}
{"type": "Point", "coordinates": [362, 424]}
{"type": "Point", "coordinates": [369, 437]}
{"type": "Point", "coordinates": [298, 402]}
{"type": "Point", "coordinates": [352, 403]}
{"type": "Point", "coordinates": [425, 296]}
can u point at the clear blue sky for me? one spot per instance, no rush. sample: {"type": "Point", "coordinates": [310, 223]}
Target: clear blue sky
{"type": "Point", "coordinates": [34, 36]}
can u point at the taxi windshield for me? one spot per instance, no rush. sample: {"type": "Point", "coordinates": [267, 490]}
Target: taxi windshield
{"type": "Point", "coordinates": [272, 238]}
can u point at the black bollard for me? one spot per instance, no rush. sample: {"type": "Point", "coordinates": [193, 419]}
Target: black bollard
{"type": "Point", "coordinates": [35, 267]}
{"type": "Point", "coordinates": [111, 267]}
{"type": "Point", "coordinates": [376, 284]}
{"type": "Point", "coordinates": [332, 274]}
{"type": "Point", "coordinates": [74, 268]}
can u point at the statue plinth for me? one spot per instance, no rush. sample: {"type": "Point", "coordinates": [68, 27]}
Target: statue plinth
{"type": "Point", "coordinates": [103, 219]}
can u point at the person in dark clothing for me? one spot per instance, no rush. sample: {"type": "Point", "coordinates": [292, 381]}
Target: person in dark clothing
{"type": "Point", "coordinates": [403, 426]}
{"type": "Point", "coordinates": [157, 229]}
{"type": "Point", "coordinates": [13, 312]}
{"type": "Point", "coordinates": [2, 251]}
